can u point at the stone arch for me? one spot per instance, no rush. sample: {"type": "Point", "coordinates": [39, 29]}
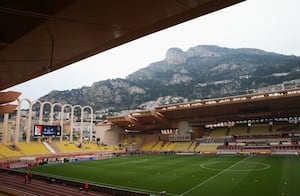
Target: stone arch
{"type": "Point", "coordinates": [40, 113]}
{"type": "Point", "coordinates": [42, 110]}
{"type": "Point", "coordinates": [61, 117]}
{"type": "Point", "coordinates": [18, 118]}
{"type": "Point", "coordinates": [91, 123]}
{"type": "Point", "coordinates": [52, 111]}
{"type": "Point", "coordinates": [72, 121]}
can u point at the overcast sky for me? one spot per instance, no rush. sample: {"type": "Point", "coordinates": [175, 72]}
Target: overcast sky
{"type": "Point", "coordinates": [271, 25]}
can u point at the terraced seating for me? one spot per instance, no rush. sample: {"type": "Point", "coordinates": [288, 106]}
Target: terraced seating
{"type": "Point", "coordinates": [157, 146]}
{"type": "Point", "coordinates": [32, 148]}
{"type": "Point", "coordinates": [237, 130]}
{"type": "Point", "coordinates": [147, 146]}
{"type": "Point", "coordinates": [285, 127]}
{"type": "Point", "coordinates": [270, 136]}
{"type": "Point", "coordinates": [7, 152]}
{"type": "Point", "coordinates": [259, 129]}
{"type": "Point", "coordinates": [169, 146]}
{"type": "Point", "coordinates": [91, 147]}
{"type": "Point", "coordinates": [206, 147]}
{"type": "Point", "coordinates": [182, 146]}
{"type": "Point", "coordinates": [130, 140]}
{"type": "Point", "coordinates": [109, 148]}
{"type": "Point", "coordinates": [66, 146]}
{"type": "Point", "coordinates": [277, 127]}
{"type": "Point", "coordinates": [218, 132]}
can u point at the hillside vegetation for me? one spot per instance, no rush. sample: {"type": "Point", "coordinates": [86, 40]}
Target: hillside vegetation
{"type": "Point", "coordinates": [204, 71]}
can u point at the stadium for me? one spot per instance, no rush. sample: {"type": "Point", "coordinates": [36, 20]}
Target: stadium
{"type": "Point", "coordinates": [246, 144]}
{"type": "Point", "coordinates": [178, 149]}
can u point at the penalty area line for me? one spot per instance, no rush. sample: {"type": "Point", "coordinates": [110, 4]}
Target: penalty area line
{"type": "Point", "coordinates": [214, 176]}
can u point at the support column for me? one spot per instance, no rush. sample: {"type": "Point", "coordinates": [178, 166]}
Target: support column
{"type": "Point", "coordinates": [29, 123]}
{"type": "Point", "coordinates": [5, 128]}
{"type": "Point", "coordinates": [81, 126]}
{"type": "Point", "coordinates": [17, 130]}
{"type": "Point", "coordinates": [61, 123]}
{"type": "Point", "coordinates": [72, 119]}
{"type": "Point", "coordinates": [41, 114]}
{"type": "Point", "coordinates": [91, 122]}
{"type": "Point", "coordinates": [91, 127]}
{"type": "Point", "coordinates": [51, 114]}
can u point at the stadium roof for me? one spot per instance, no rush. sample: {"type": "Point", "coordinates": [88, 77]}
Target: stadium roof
{"type": "Point", "coordinates": [40, 36]}
{"type": "Point", "coordinates": [279, 104]}
{"type": "Point", "coordinates": [5, 99]}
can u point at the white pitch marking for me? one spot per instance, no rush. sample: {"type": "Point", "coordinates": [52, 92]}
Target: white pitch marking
{"type": "Point", "coordinates": [216, 175]}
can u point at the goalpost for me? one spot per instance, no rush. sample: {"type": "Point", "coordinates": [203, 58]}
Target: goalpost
{"type": "Point", "coordinates": [104, 155]}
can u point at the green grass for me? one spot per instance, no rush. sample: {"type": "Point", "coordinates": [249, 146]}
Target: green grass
{"type": "Point", "coordinates": [189, 174]}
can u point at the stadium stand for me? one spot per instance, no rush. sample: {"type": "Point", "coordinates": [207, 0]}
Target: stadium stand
{"type": "Point", "coordinates": [183, 146]}
{"type": "Point", "coordinates": [158, 145]}
{"type": "Point", "coordinates": [148, 141]}
{"type": "Point", "coordinates": [283, 127]}
{"type": "Point", "coordinates": [110, 148]}
{"type": "Point", "coordinates": [9, 151]}
{"type": "Point", "coordinates": [32, 148]}
{"type": "Point", "coordinates": [261, 128]}
{"type": "Point", "coordinates": [259, 136]}
{"type": "Point", "coordinates": [206, 148]}
{"type": "Point", "coordinates": [259, 140]}
{"type": "Point", "coordinates": [218, 132]}
{"type": "Point", "coordinates": [67, 146]}
{"type": "Point", "coordinates": [168, 146]}
{"type": "Point", "coordinates": [238, 130]}
{"type": "Point", "coordinates": [131, 142]}
{"type": "Point", "coordinates": [87, 146]}
{"type": "Point", "coordinates": [147, 146]}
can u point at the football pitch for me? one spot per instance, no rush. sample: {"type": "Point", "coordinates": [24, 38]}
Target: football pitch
{"type": "Point", "coordinates": [188, 174]}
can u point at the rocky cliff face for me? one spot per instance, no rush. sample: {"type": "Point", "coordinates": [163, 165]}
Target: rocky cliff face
{"type": "Point", "coordinates": [204, 71]}
{"type": "Point", "coordinates": [175, 56]}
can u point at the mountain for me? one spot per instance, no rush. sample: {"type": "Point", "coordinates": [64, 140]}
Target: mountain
{"type": "Point", "coordinates": [204, 71]}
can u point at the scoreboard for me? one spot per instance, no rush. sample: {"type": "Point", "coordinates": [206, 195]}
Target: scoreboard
{"type": "Point", "coordinates": [47, 130]}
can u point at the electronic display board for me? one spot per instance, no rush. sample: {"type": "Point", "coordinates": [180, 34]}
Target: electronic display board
{"type": "Point", "coordinates": [47, 130]}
